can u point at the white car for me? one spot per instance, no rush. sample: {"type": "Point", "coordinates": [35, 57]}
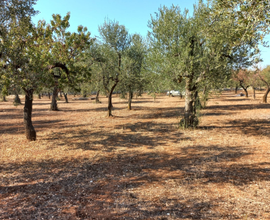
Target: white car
{"type": "Point", "coordinates": [174, 93]}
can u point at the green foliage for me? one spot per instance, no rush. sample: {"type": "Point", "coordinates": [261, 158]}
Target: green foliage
{"type": "Point", "coordinates": [202, 49]}
{"type": "Point", "coordinates": [109, 56]}
{"type": "Point", "coordinates": [114, 35]}
{"type": "Point", "coordinates": [134, 75]}
{"type": "Point", "coordinates": [264, 75]}
{"type": "Point", "coordinates": [32, 53]}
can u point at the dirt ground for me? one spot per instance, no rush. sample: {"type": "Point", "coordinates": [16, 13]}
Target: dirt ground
{"type": "Point", "coordinates": [138, 164]}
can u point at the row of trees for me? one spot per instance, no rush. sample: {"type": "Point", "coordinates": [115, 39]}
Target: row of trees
{"type": "Point", "coordinates": [31, 55]}
{"type": "Point", "coordinates": [255, 79]}
{"type": "Point", "coordinates": [198, 52]}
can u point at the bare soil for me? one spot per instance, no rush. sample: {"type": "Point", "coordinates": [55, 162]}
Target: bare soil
{"type": "Point", "coordinates": [137, 164]}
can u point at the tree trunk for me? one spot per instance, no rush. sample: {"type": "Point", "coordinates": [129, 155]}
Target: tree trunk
{"type": "Point", "coordinates": [61, 94]}
{"type": "Point", "coordinates": [154, 97]}
{"type": "Point", "coordinates": [97, 97]}
{"type": "Point", "coordinates": [54, 99]}
{"type": "Point", "coordinates": [109, 105]}
{"type": "Point", "coordinates": [236, 89]}
{"type": "Point", "coordinates": [110, 100]}
{"type": "Point", "coordinates": [27, 116]}
{"type": "Point", "coordinates": [39, 95]}
{"type": "Point", "coordinates": [49, 95]}
{"type": "Point", "coordinates": [246, 92]}
{"type": "Point", "coordinates": [57, 97]}
{"type": "Point", "coordinates": [267, 89]}
{"type": "Point", "coordinates": [190, 119]}
{"type": "Point", "coordinates": [66, 98]}
{"type": "Point", "coordinates": [254, 92]}
{"type": "Point", "coordinates": [84, 94]}
{"type": "Point", "coordinates": [265, 94]}
{"type": "Point", "coordinates": [244, 88]}
{"type": "Point", "coordinates": [17, 99]}
{"type": "Point", "coordinates": [130, 96]}
{"type": "Point", "coordinates": [4, 98]}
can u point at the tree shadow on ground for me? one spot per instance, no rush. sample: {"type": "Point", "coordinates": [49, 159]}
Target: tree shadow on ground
{"type": "Point", "coordinates": [237, 107]}
{"type": "Point", "coordinates": [100, 109]}
{"type": "Point", "coordinates": [150, 134]}
{"type": "Point", "coordinates": [249, 127]}
{"type": "Point", "coordinates": [235, 100]}
{"type": "Point", "coordinates": [104, 186]}
{"type": "Point", "coordinates": [17, 127]}
{"type": "Point", "coordinates": [215, 113]}
{"type": "Point", "coordinates": [156, 113]}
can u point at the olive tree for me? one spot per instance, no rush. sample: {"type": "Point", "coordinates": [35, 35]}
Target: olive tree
{"type": "Point", "coordinates": [116, 41]}
{"type": "Point", "coordinates": [33, 52]}
{"type": "Point", "coordinates": [201, 49]}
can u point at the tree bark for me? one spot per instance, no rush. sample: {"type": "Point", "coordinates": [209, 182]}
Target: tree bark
{"type": "Point", "coordinates": [267, 89]}
{"type": "Point", "coordinates": [265, 94]}
{"type": "Point", "coordinates": [110, 99]}
{"type": "Point", "coordinates": [39, 95]}
{"type": "Point", "coordinates": [54, 99]}
{"type": "Point", "coordinates": [254, 92]}
{"type": "Point", "coordinates": [236, 89]}
{"type": "Point", "coordinates": [66, 98]}
{"type": "Point", "coordinates": [246, 92]}
{"type": "Point", "coordinates": [190, 119]}
{"type": "Point", "coordinates": [27, 116]}
{"type": "Point", "coordinates": [244, 88]}
{"type": "Point", "coordinates": [49, 95]}
{"type": "Point", "coordinates": [130, 96]}
{"type": "Point", "coordinates": [97, 97]}
{"type": "Point", "coordinates": [17, 99]}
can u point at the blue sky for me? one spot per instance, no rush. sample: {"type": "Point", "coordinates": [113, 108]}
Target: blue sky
{"type": "Point", "coordinates": [134, 14]}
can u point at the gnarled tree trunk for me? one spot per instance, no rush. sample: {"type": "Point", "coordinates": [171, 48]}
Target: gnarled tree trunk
{"type": "Point", "coordinates": [244, 88]}
{"type": "Point", "coordinates": [265, 94]}
{"type": "Point", "coordinates": [110, 106]}
{"type": "Point", "coordinates": [54, 99]}
{"type": "Point", "coordinates": [246, 92]}
{"type": "Point", "coordinates": [190, 119]}
{"type": "Point", "coordinates": [27, 116]}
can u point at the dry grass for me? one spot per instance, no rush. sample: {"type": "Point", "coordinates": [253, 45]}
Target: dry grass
{"type": "Point", "coordinates": [138, 164]}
